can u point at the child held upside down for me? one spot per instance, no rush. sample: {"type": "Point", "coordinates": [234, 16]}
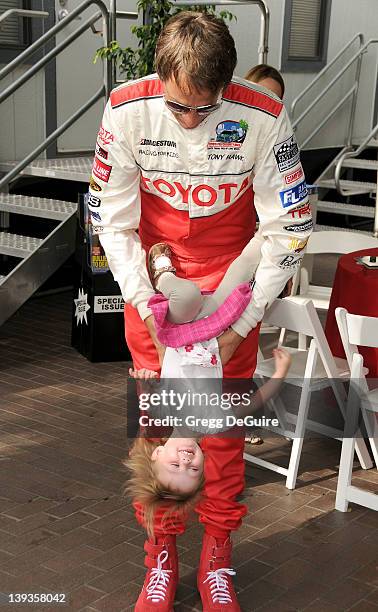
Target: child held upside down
{"type": "Point", "coordinates": [167, 473]}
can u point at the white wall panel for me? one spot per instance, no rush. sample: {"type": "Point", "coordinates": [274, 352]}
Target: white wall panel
{"type": "Point", "coordinates": [22, 117]}
{"type": "Point", "coordinates": [78, 78]}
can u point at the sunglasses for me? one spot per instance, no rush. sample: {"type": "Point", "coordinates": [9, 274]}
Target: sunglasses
{"type": "Point", "coordinates": [183, 109]}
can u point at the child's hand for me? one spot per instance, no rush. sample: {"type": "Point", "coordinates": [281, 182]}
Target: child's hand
{"type": "Point", "coordinates": [282, 360]}
{"type": "Point", "coordinates": [142, 374]}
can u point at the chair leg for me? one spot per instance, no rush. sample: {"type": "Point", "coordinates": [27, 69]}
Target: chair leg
{"type": "Point", "coordinates": [363, 453]}
{"type": "Point", "coordinates": [302, 342]}
{"type": "Point", "coordinates": [300, 428]}
{"type": "Point", "coordinates": [371, 425]}
{"type": "Point", "coordinates": [348, 447]}
{"type": "Point", "coordinates": [281, 339]}
{"type": "Point", "coordinates": [345, 474]}
{"type": "Point", "coordinates": [360, 446]}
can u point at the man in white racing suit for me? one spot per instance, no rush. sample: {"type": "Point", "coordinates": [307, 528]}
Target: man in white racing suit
{"type": "Point", "coordinates": [186, 157]}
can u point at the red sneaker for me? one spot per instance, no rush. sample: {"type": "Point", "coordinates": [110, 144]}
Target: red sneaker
{"type": "Point", "coordinates": [159, 588]}
{"type": "Point", "coordinates": [214, 576]}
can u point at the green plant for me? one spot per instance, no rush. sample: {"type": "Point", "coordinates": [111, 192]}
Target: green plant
{"type": "Point", "coordinates": [135, 63]}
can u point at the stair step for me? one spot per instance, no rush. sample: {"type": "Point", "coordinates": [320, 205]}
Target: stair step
{"type": "Point", "coordinates": [15, 245]}
{"type": "Point", "coordinates": [1, 278]}
{"type": "Point", "coordinates": [66, 168]}
{"type": "Point", "coordinates": [364, 164]}
{"type": "Point", "coordinates": [45, 208]}
{"type": "Point", "coordinates": [324, 228]}
{"type": "Point", "coordinates": [342, 208]}
{"type": "Point", "coordinates": [354, 187]}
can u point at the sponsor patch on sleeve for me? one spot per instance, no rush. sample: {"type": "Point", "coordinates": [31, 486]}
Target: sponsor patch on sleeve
{"type": "Point", "coordinates": [105, 137]}
{"type": "Point", "coordinates": [100, 151]}
{"type": "Point", "coordinates": [95, 215]}
{"type": "Point", "coordinates": [297, 245]}
{"type": "Point", "coordinates": [294, 176]}
{"type": "Point", "coordinates": [93, 185]}
{"type": "Point", "coordinates": [100, 170]}
{"type": "Point", "coordinates": [93, 201]}
{"type": "Point", "coordinates": [286, 154]}
{"type": "Point", "coordinates": [294, 195]}
{"type": "Point", "coordinates": [299, 227]}
{"type": "Point", "coordinates": [290, 261]}
{"type": "Point", "coordinates": [301, 211]}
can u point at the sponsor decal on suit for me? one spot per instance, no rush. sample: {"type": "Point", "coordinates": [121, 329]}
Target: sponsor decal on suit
{"type": "Point", "coordinates": [95, 216]}
{"type": "Point", "coordinates": [297, 245]}
{"type": "Point", "coordinates": [101, 170]}
{"type": "Point", "coordinates": [229, 134]}
{"type": "Point", "coordinates": [93, 201]}
{"type": "Point", "coordinates": [147, 142]}
{"type": "Point", "coordinates": [286, 154]}
{"type": "Point", "coordinates": [294, 195]}
{"type": "Point", "coordinates": [289, 261]}
{"type": "Point", "coordinates": [101, 152]}
{"type": "Point", "coordinates": [201, 195]}
{"type": "Point", "coordinates": [301, 211]}
{"type": "Point", "coordinates": [93, 185]}
{"type": "Point", "coordinates": [300, 227]}
{"type": "Point", "coordinates": [104, 136]}
{"type": "Point", "coordinates": [293, 176]}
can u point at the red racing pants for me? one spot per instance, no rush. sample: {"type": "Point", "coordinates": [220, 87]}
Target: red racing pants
{"type": "Point", "coordinates": [218, 509]}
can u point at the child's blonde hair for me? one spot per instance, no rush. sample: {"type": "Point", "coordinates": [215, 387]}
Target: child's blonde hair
{"type": "Point", "coordinates": [144, 487]}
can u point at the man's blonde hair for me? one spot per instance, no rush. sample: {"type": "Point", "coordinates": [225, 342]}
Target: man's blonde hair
{"type": "Point", "coordinates": [144, 487]}
{"type": "Point", "coordinates": [197, 50]}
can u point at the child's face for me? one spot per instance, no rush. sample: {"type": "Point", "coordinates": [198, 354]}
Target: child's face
{"type": "Point", "coordinates": [179, 464]}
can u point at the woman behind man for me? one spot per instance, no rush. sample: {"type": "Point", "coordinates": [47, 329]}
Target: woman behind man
{"type": "Point", "coordinates": [267, 77]}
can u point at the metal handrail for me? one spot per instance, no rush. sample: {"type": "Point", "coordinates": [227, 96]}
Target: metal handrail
{"type": "Point", "coordinates": [350, 154]}
{"type": "Point", "coordinates": [330, 84]}
{"type": "Point", "coordinates": [22, 13]}
{"type": "Point", "coordinates": [265, 19]}
{"type": "Point", "coordinates": [57, 28]}
{"type": "Point", "coordinates": [294, 103]}
{"type": "Point", "coordinates": [46, 58]}
{"type": "Point", "coordinates": [53, 136]}
{"type": "Point", "coordinates": [331, 114]}
{"type": "Point", "coordinates": [104, 90]}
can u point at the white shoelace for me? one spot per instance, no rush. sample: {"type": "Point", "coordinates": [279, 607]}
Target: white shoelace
{"type": "Point", "coordinates": [219, 587]}
{"type": "Point", "coordinates": [158, 583]}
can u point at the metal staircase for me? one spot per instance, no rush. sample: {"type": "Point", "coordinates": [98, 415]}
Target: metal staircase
{"type": "Point", "coordinates": [29, 258]}
{"type": "Point", "coordinates": [341, 190]}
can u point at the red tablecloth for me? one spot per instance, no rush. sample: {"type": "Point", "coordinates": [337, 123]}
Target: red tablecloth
{"type": "Point", "coordinates": [356, 289]}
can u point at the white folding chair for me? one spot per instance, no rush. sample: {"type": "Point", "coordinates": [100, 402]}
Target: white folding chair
{"type": "Point", "coordinates": [357, 330]}
{"type": "Point", "coordinates": [323, 242]}
{"type": "Point", "coordinates": [312, 370]}
{"type": "Point", "coordinates": [328, 242]}
{"type": "Point", "coordinates": [362, 331]}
